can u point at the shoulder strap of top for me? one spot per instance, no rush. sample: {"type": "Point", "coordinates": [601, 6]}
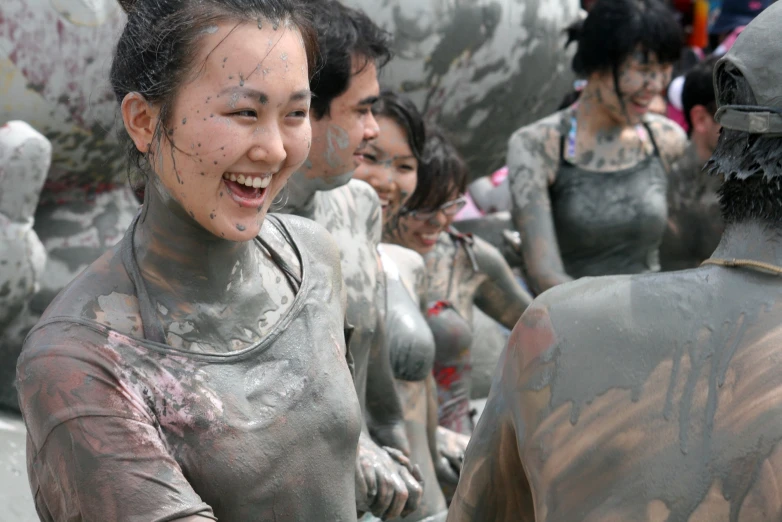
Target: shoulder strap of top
{"type": "Point", "coordinates": [153, 329]}
{"type": "Point", "coordinates": [651, 137]}
{"type": "Point", "coordinates": [562, 142]}
{"type": "Point", "coordinates": [466, 241]}
{"type": "Point", "coordinates": [294, 279]}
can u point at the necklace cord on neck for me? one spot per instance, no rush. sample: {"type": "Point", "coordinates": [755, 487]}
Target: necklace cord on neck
{"type": "Point", "coordinates": [757, 266]}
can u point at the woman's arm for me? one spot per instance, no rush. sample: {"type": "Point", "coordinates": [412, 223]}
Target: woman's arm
{"type": "Point", "coordinates": [533, 157]}
{"type": "Point", "coordinates": [93, 445]}
{"type": "Point", "coordinates": [500, 296]}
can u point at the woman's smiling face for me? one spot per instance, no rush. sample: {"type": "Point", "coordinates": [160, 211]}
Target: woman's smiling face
{"type": "Point", "coordinates": [387, 163]}
{"type": "Point", "coordinates": [640, 79]}
{"type": "Point", "coordinates": [239, 127]}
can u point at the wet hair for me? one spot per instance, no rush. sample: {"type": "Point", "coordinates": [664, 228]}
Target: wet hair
{"type": "Point", "coordinates": [615, 29]}
{"type": "Point", "coordinates": [751, 164]}
{"type": "Point", "coordinates": [441, 173]}
{"type": "Point", "coordinates": [156, 52]}
{"type": "Point", "coordinates": [344, 34]}
{"type": "Point", "coordinates": [404, 113]}
{"type": "Point", "coordinates": [699, 89]}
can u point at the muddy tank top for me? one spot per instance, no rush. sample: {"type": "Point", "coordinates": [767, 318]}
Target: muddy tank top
{"type": "Point", "coordinates": [268, 432]}
{"type": "Point", "coordinates": [610, 222]}
{"type": "Point", "coordinates": [410, 341]}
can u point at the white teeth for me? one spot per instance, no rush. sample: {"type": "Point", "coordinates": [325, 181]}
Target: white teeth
{"type": "Point", "coordinates": [249, 181]}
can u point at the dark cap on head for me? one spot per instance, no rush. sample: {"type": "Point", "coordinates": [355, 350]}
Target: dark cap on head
{"type": "Point", "coordinates": [757, 55]}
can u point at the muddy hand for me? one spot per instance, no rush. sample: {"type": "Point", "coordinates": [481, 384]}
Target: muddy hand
{"type": "Point", "coordinates": [451, 447]}
{"type": "Point", "coordinates": [380, 486]}
{"type": "Point", "coordinates": [413, 478]}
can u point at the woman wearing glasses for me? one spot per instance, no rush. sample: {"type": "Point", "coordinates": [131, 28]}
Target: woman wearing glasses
{"type": "Point", "coordinates": [461, 271]}
{"type": "Point", "coordinates": [420, 198]}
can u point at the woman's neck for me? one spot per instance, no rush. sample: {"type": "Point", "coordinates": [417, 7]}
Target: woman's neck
{"type": "Point", "coordinates": [178, 255]}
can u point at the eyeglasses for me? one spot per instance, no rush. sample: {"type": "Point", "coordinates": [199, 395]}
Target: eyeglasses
{"type": "Point", "coordinates": [450, 209]}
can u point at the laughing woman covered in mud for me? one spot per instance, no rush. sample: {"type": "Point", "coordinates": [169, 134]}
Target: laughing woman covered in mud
{"type": "Point", "coordinates": [390, 165]}
{"type": "Point", "coordinates": [198, 370]}
{"type": "Point", "coordinates": [460, 271]}
{"type": "Point", "coordinates": [588, 183]}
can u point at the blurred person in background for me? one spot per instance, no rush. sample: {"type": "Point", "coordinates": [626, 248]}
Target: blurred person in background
{"type": "Point", "coordinates": [694, 221]}
{"type": "Point", "coordinates": [588, 184]}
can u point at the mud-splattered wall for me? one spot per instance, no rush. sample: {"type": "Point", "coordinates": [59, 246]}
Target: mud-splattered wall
{"type": "Point", "coordinates": [479, 68]}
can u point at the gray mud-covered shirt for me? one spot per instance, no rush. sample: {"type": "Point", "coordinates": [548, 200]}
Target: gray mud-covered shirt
{"type": "Point", "coordinates": [125, 429]}
{"type": "Point", "coordinates": [610, 223]}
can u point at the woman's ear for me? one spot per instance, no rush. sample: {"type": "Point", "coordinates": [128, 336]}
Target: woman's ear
{"type": "Point", "coordinates": [140, 119]}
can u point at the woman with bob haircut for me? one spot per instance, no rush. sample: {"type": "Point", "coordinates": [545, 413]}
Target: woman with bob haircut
{"type": "Point", "coordinates": [589, 182]}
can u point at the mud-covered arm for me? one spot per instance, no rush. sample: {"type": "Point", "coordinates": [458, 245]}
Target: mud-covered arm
{"type": "Point", "coordinates": [93, 450]}
{"type": "Point", "coordinates": [493, 484]}
{"type": "Point", "coordinates": [532, 163]}
{"type": "Point", "coordinates": [501, 297]}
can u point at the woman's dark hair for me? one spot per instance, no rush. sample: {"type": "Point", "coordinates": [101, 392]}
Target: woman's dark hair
{"type": "Point", "coordinates": [615, 29]}
{"type": "Point", "coordinates": [751, 164]}
{"type": "Point", "coordinates": [156, 52]}
{"type": "Point", "coordinates": [440, 174]}
{"type": "Point", "coordinates": [404, 113]}
{"type": "Point", "coordinates": [343, 34]}
{"type": "Point", "coordinates": [699, 89]}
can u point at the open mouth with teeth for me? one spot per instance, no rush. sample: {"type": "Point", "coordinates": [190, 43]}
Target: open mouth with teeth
{"type": "Point", "coordinates": [249, 190]}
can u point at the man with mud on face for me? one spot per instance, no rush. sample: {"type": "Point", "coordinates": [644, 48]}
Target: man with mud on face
{"type": "Point", "coordinates": [352, 48]}
{"type": "Point", "coordinates": [656, 396]}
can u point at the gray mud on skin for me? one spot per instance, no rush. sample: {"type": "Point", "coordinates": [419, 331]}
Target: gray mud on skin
{"type": "Point", "coordinates": [412, 347]}
{"type": "Point", "coordinates": [649, 397]}
{"type": "Point", "coordinates": [350, 210]}
{"type": "Point", "coordinates": [489, 285]}
{"type": "Point", "coordinates": [195, 412]}
{"type": "Point", "coordinates": [551, 198]}
{"type": "Point", "coordinates": [466, 63]}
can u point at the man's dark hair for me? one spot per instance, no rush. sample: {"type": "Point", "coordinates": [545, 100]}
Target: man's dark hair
{"type": "Point", "coordinates": [615, 29]}
{"type": "Point", "coordinates": [441, 173]}
{"type": "Point", "coordinates": [699, 89]}
{"type": "Point", "coordinates": [751, 164]}
{"type": "Point", "coordinates": [344, 34]}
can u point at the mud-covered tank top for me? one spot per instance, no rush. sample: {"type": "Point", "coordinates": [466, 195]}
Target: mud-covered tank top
{"type": "Point", "coordinates": [410, 341]}
{"type": "Point", "coordinates": [126, 428]}
{"type": "Point", "coordinates": [610, 222]}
